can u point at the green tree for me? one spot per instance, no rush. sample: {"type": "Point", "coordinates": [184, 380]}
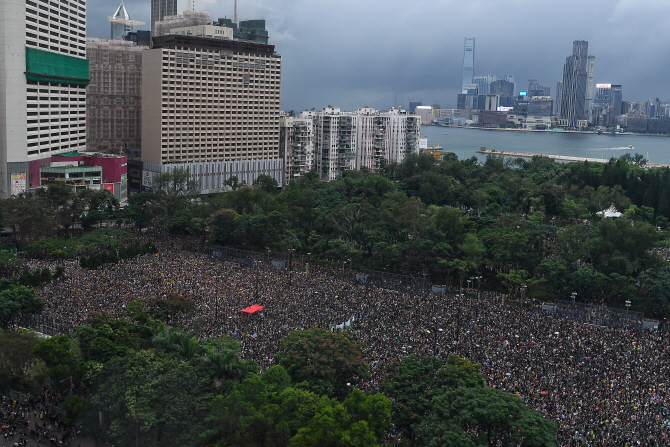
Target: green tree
{"type": "Point", "coordinates": [330, 363]}
{"type": "Point", "coordinates": [18, 300]}
{"type": "Point", "coordinates": [334, 426]}
{"type": "Point", "coordinates": [27, 219]}
{"type": "Point", "coordinates": [415, 381]}
{"type": "Point", "coordinates": [479, 416]}
{"type": "Point", "coordinates": [162, 400]}
{"type": "Point", "coordinates": [16, 350]}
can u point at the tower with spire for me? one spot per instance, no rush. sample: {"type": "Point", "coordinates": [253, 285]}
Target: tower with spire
{"type": "Point", "coordinates": [121, 23]}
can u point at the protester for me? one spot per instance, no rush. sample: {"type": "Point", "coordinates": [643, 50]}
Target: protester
{"type": "Point", "coordinates": [602, 386]}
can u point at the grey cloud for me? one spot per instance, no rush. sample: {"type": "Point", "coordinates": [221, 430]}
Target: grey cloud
{"type": "Point", "coordinates": [351, 53]}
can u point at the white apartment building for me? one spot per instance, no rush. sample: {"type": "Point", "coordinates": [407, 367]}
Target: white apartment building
{"type": "Point", "coordinates": [43, 78]}
{"type": "Point", "coordinates": [355, 140]}
{"type": "Point", "coordinates": [208, 103]}
{"type": "Point", "coordinates": [297, 146]}
{"type": "Point", "coordinates": [335, 139]}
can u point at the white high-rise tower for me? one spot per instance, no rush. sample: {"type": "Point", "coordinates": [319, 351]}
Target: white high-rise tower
{"type": "Point", "coordinates": [43, 78]}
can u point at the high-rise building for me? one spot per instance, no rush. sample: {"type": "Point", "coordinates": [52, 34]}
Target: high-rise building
{"type": "Point", "coordinates": [160, 9]}
{"type": "Point", "coordinates": [510, 79]}
{"type": "Point", "coordinates": [121, 23]}
{"type": "Point", "coordinates": [355, 140]}
{"type": "Point", "coordinates": [114, 95]}
{"type": "Point", "coordinates": [482, 83]}
{"type": "Point", "coordinates": [590, 72]}
{"type": "Point", "coordinates": [468, 64]}
{"type": "Point", "coordinates": [296, 146]}
{"type": "Point", "coordinates": [43, 78]}
{"type": "Point", "coordinates": [413, 105]}
{"type": "Point", "coordinates": [537, 89]}
{"type": "Point", "coordinates": [502, 88]}
{"type": "Point", "coordinates": [211, 106]}
{"type": "Point", "coordinates": [617, 99]}
{"type": "Point", "coordinates": [187, 19]}
{"type": "Point", "coordinates": [575, 74]}
{"type": "Point", "coordinates": [559, 96]}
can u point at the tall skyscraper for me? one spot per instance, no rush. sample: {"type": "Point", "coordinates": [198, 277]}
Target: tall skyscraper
{"type": "Point", "coordinates": [559, 98]}
{"type": "Point", "coordinates": [468, 64]}
{"type": "Point", "coordinates": [590, 71]}
{"type": "Point", "coordinates": [575, 84]}
{"type": "Point", "coordinates": [510, 79]}
{"type": "Point", "coordinates": [44, 73]}
{"type": "Point", "coordinates": [617, 99]}
{"type": "Point", "coordinates": [160, 9]}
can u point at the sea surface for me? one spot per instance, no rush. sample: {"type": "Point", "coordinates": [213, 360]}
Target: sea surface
{"type": "Point", "coordinates": [466, 142]}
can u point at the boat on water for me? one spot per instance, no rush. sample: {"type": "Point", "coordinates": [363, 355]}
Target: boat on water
{"type": "Point", "coordinates": [630, 146]}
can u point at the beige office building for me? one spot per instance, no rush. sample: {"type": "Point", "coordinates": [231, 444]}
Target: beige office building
{"type": "Point", "coordinates": [213, 106]}
{"type": "Point", "coordinates": [114, 95]}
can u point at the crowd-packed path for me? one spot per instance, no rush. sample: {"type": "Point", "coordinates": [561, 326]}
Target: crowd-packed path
{"type": "Point", "coordinates": [601, 386]}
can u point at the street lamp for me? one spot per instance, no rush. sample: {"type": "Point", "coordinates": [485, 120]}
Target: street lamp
{"type": "Point", "coordinates": [574, 295]}
{"type": "Point", "coordinates": [290, 256]}
{"type": "Point", "coordinates": [469, 281]}
{"type": "Point", "coordinates": [310, 261]}
{"type": "Point", "coordinates": [627, 306]}
{"type": "Point", "coordinates": [523, 290]}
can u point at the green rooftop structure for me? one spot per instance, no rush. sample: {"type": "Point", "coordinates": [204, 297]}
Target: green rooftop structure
{"type": "Point", "coordinates": [247, 30]}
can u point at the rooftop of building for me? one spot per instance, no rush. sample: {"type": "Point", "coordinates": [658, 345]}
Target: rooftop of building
{"type": "Point", "coordinates": [177, 40]}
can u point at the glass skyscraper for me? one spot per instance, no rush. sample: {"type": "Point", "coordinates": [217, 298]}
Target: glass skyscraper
{"type": "Point", "coordinates": [575, 84]}
{"type": "Point", "coordinates": [468, 64]}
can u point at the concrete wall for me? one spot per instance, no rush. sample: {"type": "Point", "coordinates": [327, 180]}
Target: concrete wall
{"type": "Point", "coordinates": [151, 105]}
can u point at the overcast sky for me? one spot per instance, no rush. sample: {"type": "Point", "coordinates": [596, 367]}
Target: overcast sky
{"type": "Point", "coordinates": [380, 53]}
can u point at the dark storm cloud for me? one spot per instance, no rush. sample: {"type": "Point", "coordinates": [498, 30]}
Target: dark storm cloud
{"type": "Point", "coordinates": [352, 53]}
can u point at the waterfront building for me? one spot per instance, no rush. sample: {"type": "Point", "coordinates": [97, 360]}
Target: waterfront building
{"type": "Point", "coordinates": [413, 105]}
{"type": "Point", "coordinates": [575, 83]}
{"type": "Point", "coordinates": [590, 72]}
{"type": "Point", "coordinates": [354, 140]}
{"type": "Point", "coordinates": [537, 89]}
{"type": "Point", "coordinates": [460, 101]}
{"type": "Point", "coordinates": [114, 95]}
{"type": "Point", "coordinates": [510, 79]}
{"type": "Point", "coordinates": [537, 106]}
{"type": "Point", "coordinates": [502, 87]}
{"type": "Point", "coordinates": [211, 106]}
{"type": "Point", "coordinates": [468, 64]}
{"type": "Point", "coordinates": [559, 97]}
{"type": "Point", "coordinates": [160, 9]}
{"type": "Point", "coordinates": [482, 83]}
{"type": "Point", "coordinates": [42, 87]}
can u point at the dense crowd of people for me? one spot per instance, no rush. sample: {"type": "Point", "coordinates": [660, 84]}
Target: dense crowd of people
{"type": "Point", "coordinates": [33, 422]}
{"type": "Point", "coordinates": [601, 385]}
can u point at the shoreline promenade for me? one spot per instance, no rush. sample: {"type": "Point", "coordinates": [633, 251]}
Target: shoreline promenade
{"type": "Point", "coordinates": [559, 157]}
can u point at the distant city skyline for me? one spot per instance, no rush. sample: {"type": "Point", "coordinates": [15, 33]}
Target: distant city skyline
{"type": "Point", "coordinates": [345, 54]}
